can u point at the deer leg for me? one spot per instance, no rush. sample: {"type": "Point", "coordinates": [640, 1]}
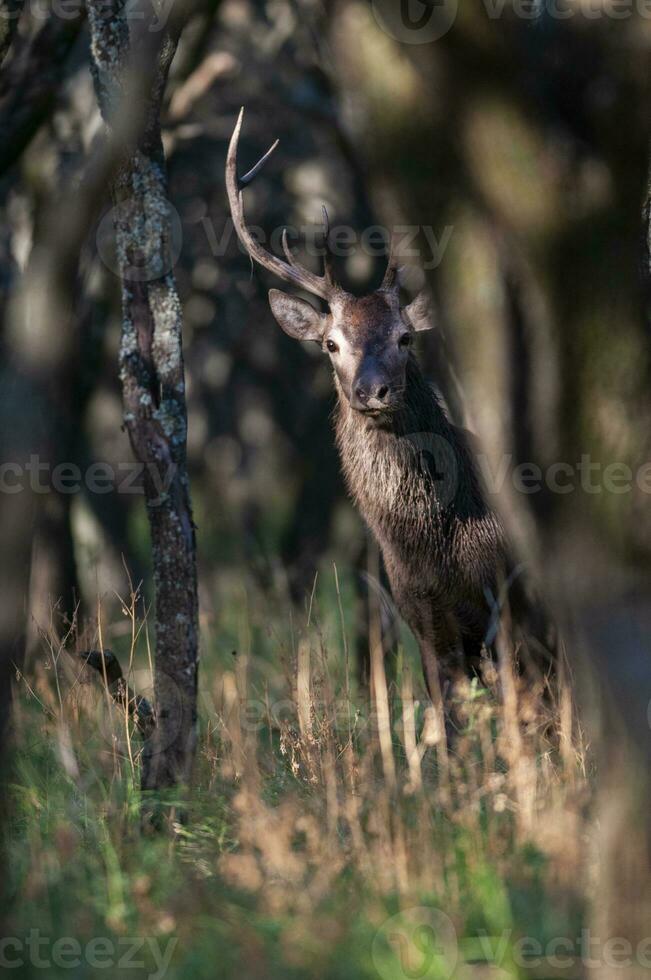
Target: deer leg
{"type": "Point", "coordinates": [472, 650]}
{"type": "Point", "coordinates": [441, 650]}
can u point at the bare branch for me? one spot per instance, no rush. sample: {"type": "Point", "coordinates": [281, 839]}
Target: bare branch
{"type": "Point", "coordinates": [29, 84]}
{"type": "Point", "coordinates": [10, 11]}
{"type": "Point", "coordinates": [138, 707]}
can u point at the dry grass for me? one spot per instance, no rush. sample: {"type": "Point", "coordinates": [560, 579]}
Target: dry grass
{"type": "Point", "coordinates": [317, 812]}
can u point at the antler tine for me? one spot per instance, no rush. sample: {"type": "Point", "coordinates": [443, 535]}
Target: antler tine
{"type": "Point", "coordinates": [390, 282]}
{"type": "Point", "coordinates": [286, 248]}
{"type": "Point", "coordinates": [248, 177]}
{"type": "Point", "coordinates": [326, 222]}
{"type": "Point", "coordinates": [327, 255]}
{"type": "Point", "coordinates": [290, 271]}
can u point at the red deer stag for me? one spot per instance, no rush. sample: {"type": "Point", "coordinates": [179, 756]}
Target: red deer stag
{"type": "Point", "coordinates": [408, 469]}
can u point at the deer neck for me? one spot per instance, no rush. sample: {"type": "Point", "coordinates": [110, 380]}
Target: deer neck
{"type": "Point", "coordinates": [379, 457]}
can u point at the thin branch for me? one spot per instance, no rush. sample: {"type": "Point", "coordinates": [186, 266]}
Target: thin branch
{"type": "Point", "coordinates": [30, 82]}
{"type": "Point", "coordinates": [10, 11]}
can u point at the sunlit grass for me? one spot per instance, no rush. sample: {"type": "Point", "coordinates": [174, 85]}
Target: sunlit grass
{"type": "Point", "coordinates": [308, 827]}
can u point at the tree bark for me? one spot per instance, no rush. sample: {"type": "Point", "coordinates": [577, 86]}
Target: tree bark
{"type": "Point", "coordinates": [646, 249]}
{"type": "Point", "coordinates": [151, 371]}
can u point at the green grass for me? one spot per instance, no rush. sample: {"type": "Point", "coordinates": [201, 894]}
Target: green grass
{"type": "Point", "coordinates": [299, 854]}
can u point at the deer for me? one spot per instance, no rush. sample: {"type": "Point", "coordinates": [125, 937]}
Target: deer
{"type": "Point", "coordinates": [409, 470]}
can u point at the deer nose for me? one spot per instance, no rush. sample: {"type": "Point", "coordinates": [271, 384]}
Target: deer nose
{"type": "Point", "coordinates": [370, 394]}
{"type": "Point", "coordinates": [361, 393]}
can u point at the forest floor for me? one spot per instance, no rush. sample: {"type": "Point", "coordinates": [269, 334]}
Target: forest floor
{"type": "Point", "coordinates": [328, 835]}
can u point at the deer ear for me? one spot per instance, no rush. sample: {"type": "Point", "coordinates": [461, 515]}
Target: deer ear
{"type": "Point", "coordinates": [296, 316]}
{"type": "Point", "coordinates": [419, 311]}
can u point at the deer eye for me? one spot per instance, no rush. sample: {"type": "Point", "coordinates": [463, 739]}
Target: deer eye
{"type": "Point", "coordinates": [332, 347]}
{"type": "Point", "coordinates": [405, 340]}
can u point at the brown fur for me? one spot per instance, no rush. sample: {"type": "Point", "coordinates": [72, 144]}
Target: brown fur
{"type": "Point", "coordinates": [414, 481]}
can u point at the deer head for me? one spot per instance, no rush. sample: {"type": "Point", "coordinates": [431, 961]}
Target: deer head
{"type": "Point", "coordinates": [367, 338]}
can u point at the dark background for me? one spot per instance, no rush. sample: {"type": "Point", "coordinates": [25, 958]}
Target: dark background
{"type": "Point", "coordinates": [527, 138]}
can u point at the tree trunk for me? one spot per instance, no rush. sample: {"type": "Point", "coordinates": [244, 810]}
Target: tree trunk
{"type": "Point", "coordinates": [151, 370]}
{"type": "Point", "coordinates": [646, 252]}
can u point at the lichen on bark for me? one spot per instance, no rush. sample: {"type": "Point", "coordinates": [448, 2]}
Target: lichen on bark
{"type": "Point", "coordinates": [151, 372]}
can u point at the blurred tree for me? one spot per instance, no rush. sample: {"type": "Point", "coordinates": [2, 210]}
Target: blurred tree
{"type": "Point", "coordinates": [531, 141]}
{"type": "Point", "coordinates": [30, 79]}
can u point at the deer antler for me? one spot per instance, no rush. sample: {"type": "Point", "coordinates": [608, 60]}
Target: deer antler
{"type": "Point", "coordinates": [323, 286]}
{"type": "Point", "coordinates": [391, 281]}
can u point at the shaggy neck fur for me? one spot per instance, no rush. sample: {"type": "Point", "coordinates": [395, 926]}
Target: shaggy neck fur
{"type": "Point", "coordinates": [412, 476]}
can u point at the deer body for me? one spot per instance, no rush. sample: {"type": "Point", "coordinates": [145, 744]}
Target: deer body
{"type": "Point", "coordinates": [441, 544]}
{"type": "Point", "coordinates": [407, 467]}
